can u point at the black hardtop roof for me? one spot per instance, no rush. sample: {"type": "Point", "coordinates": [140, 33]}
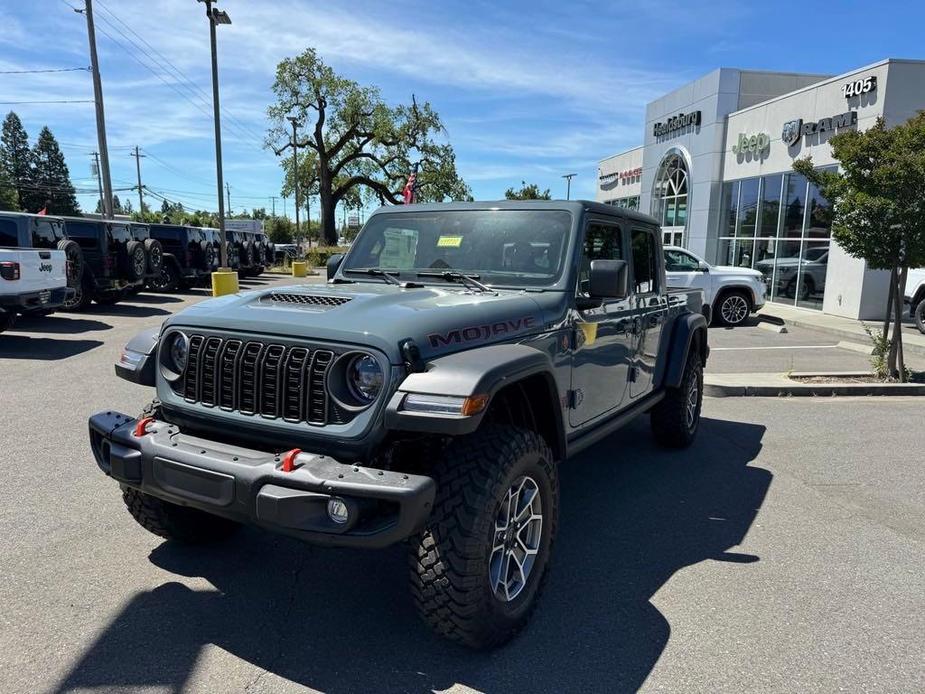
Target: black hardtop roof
{"type": "Point", "coordinates": [576, 207]}
{"type": "Point", "coordinates": [13, 213]}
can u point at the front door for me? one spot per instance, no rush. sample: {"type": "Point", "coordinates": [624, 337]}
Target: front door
{"type": "Point", "coordinates": [683, 271]}
{"type": "Point", "coordinates": [651, 308]}
{"type": "Point", "coordinates": [604, 336]}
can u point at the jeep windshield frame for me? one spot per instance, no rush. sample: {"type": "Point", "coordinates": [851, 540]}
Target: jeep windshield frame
{"type": "Point", "coordinates": [504, 248]}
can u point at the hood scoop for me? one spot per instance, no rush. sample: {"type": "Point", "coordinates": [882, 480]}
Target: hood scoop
{"type": "Point", "coordinates": [318, 302]}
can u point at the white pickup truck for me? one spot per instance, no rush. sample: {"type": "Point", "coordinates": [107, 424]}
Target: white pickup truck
{"type": "Point", "coordinates": [31, 280]}
{"type": "Point", "coordinates": [730, 294]}
{"type": "Point", "coordinates": [915, 296]}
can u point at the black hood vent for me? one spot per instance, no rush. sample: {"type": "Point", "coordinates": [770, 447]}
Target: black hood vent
{"type": "Point", "coordinates": [322, 301]}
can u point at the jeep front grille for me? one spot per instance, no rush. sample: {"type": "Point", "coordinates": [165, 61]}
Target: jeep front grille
{"type": "Point", "coordinates": [268, 379]}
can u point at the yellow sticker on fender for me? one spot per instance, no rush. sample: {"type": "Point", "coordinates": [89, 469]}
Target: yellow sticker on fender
{"type": "Point", "coordinates": [449, 241]}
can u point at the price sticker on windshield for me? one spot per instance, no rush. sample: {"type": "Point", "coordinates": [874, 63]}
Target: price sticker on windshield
{"type": "Point", "coordinates": [449, 241]}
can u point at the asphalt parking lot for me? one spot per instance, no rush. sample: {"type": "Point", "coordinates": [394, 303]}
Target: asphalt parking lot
{"type": "Point", "coordinates": [782, 552]}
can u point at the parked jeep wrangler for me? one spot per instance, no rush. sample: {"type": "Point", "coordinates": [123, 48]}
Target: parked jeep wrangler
{"type": "Point", "coordinates": [115, 264]}
{"type": "Point", "coordinates": [25, 230]}
{"type": "Point", "coordinates": [427, 393]}
{"type": "Point", "coordinates": [188, 257]}
{"type": "Point", "coordinates": [247, 252]}
{"type": "Point", "coordinates": [32, 280]}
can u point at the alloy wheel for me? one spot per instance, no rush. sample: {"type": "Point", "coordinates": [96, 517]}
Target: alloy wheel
{"type": "Point", "coordinates": [690, 410]}
{"type": "Point", "coordinates": [518, 533]}
{"type": "Point", "coordinates": [734, 309]}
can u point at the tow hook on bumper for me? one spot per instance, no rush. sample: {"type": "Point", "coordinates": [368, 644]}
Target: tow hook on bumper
{"type": "Point", "coordinates": [249, 486]}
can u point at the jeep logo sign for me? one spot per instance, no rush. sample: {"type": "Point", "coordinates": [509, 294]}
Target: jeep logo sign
{"type": "Point", "coordinates": [752, 143]}
{"type": "Point", "coordinates": [795, 129]}
{"type": "Point", "coordinates": [45, 267]}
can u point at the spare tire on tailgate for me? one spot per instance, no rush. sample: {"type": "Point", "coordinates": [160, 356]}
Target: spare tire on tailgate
{"type": "Point", "coordinates": [137, 260]}
{"type": "Point", "coordinates": [75, 258]}
{"type": "Point", "coordinates": [155, 253]}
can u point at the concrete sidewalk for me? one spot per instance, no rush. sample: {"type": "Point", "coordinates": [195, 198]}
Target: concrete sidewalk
{"type": "Point", "coordinates": [725, 385]}
{"type": "Point", "coordinates": [847, 328]}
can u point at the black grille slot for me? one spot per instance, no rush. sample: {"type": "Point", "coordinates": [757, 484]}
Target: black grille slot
{"type": "Point", "coordinates": [293, 383]}
{"type": "Point", "coordinates": [307, 299]}
{"type": "Point", "coordinates": [317, 393]}
{"type": "Point", "coordinates": [207, 371]}
{"type": "Point", "coordinates": [227, 374]}
{"type": "Point", "coordinates": [269, 379]}
{"type": "Point", "coordinates": [191, 378]}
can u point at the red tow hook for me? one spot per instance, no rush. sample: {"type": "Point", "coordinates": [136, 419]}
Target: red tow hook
{"type": "Point", "coordinates": [289, 459]}
{"type": "Point", "coordinates": [140, 427]}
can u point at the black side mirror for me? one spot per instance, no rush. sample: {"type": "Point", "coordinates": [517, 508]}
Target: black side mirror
{"type": "Point", "coordinates": [608, 279]}
{"type": "Point", "coordinates": [333, 263]}
{"type": "Point", "coordinates": [703, 267]}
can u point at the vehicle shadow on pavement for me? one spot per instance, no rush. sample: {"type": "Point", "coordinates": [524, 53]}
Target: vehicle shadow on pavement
{"type": "Point", "coordinates": [153, 299]}
{"type": "Point", "coordinates": [58, 324]}
{"type": "Point", "coordinates": [127, 310]}
{"type": "Point", "coordinates": [339, 621]}
{"type": "Point", "coordinates": [42, 349]}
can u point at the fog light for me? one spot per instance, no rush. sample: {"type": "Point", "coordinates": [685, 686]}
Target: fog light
{"type": "Point", "coordinates": [337, 511]}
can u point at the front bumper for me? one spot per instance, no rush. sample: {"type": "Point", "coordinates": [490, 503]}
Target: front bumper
{"type": "Point", "coordinates": [36, 301]}
{"type": "Point", "coordinates": [249, 486]}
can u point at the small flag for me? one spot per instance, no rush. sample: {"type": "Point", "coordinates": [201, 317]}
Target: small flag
{"type": "Point", "coordinates": [408, 192]}
{"type": "Point", "coordinates": [44, 210]}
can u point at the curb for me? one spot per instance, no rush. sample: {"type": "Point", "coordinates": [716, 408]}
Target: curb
{"type": "Point", "coordinates": [764, 385]}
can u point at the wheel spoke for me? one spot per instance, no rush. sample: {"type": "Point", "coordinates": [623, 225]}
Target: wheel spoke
{"type": "Point", "coordinates": [517, 538]}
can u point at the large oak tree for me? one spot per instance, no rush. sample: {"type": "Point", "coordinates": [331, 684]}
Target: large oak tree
{"type": "Point", "coordinates": [351, 141]}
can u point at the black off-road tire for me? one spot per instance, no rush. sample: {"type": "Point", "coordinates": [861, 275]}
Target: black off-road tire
{"type": "Point", "coordinates": [919, 316]}
{"type": "Point", "coordinates": [136, 260]}
{"type": "Point", "coordinates": [733, 308]}
{"type": "Point", "coordinates": [676, 418]}
{"type": "Point", "coordinates": [84, 290]}
{"type": "Point", "coordinates": [168, 280]}
{"type": "Point", "coordinates": [173, 522]}
{"type": "Point", "coordinates": [155, 253]}
{"type": "Point", "coordinates": [75, 257]}
{"type": "Point", "coordinates": [450, 559]}
{"type": "Point", "coordinates": [7, 320]}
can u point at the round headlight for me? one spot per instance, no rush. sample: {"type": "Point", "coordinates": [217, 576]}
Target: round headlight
{"type": "Point", "coordinates": [364, 378]}
{"type": "Point", "coordinates": [178, 351]}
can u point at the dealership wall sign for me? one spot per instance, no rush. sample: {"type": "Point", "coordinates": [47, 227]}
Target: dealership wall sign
{"type": "Point", "coordinates": [624, 176]}
{"type": "Point", "coordinates": [858, 87]}
{"type": "Point", "coordinates": [672, 125]}
{"type": "Point", "coordinates": [756, 144]}
{"type": "Point", "coordinates": [795, 129]}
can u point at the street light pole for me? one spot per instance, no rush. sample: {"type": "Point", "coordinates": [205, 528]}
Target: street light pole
{"type": "Point", "coordinates": [216, 16]}
{"type": "Point", "coordinates": [295, 170]}
{"type": "Point", "coordinates": [568, 189]}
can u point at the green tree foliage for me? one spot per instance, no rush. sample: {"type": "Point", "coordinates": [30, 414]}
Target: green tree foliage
{"type": "Point", "coordinates": [879, 209]}
{"type": "Point", "coordinates": [8, 199]}
{"type": "Point", "coordinates": [16, 158]}
{"type": "Point", "coordinates": [351, 139]}
{"type": "Point", "coordinates": [279, 229]}
{"type": "Point", "coordinates": [527, 191]}
{"type": "Point", "coordinates": [51, 177]}
{"type": "Point", "coordinates": [118, 206]}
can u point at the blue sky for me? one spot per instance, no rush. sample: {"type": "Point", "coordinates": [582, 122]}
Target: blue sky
{"type": "Point", "coordinates": [527, 91]}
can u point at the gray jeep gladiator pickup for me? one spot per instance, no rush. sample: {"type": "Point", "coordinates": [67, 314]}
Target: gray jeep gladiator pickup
{"type": "Point", "coordinates": [426, 393]}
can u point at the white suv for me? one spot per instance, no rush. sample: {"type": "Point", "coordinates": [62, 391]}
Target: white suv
{"type": "Point", "coordinates": [730, 294]}
{"type": "Point", "coordinates": [915, 296]}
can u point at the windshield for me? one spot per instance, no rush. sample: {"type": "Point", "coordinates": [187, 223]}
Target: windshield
{"type": "Point", "coordinates": [503, 247]}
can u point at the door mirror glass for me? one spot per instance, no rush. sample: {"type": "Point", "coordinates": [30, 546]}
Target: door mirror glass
{"type": "Point", "coordinates": [608, 279]}
{"type": "Point", "coordinates": [333, 263]}
{"type": "Point", "coordinates": [703, 267]}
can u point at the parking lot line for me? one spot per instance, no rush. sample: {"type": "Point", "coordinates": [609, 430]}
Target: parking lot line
{"type": "Point", "coordinates": [741, 349]}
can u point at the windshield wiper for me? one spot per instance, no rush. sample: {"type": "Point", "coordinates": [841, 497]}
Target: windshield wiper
{"type": "Point", "coordinates": [376, 272]}
{"type": "Point", "coordinates": [470, 281]}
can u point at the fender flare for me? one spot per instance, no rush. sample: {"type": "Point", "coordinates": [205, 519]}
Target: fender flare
{"type": "Point", "coordinates": [482, 371]}
{"type": "Point", "coordinates": [138, 357]}
{"type": "Point", "coordinates": [686, 329]}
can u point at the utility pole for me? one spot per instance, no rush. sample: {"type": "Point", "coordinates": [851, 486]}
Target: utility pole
{"type": "Point", "coordinates": [273, 201]}
{"type": "Point", "coordinates": [106, 197]}
{"type": "Point", "coordinates": [228, 190]}
{"type": "Point", "coordinates": [568, 189]}
{"type": "Point", "coordinates": [295, 170]}
{"type": "Point", "coordinates": [141, 200]}
{"type": "Point", "coordinates": [217, 17]}
{"type": "Point", "coordinates": [99, 180]}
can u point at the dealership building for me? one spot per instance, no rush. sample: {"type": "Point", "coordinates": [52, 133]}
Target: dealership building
{"type": "Point", "coordinates": [715, 168]}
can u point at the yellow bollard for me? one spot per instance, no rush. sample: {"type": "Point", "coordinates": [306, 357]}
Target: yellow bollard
{"type": "Point", "coordinates": [224, 281]}
{"type": "Point", "coordinates": [299, 268]}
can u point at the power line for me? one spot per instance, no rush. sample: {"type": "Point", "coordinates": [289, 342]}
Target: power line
{"type": "Point", "coordinates": [52, 101]}
{"type": "Point", "coordinates": [35, 72]}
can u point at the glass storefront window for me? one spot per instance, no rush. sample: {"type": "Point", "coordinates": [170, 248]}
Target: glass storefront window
{"type": "Point", "coordinates": [794, 203]}
{"type": "Point", "coordinates": [819, 219]}
{"type": "Point", "coordinates": [670, 192]}
{"type": "Point", "coordinates": [814, 262]}
{"type": "Point", "coordinates": [780, 272]}
{"type": "Point", "coordinates": [730, 205]}
{"type": "Point", "coordinates": [748, 207]}
{"type": "Point", "coordinates": [770, 205]}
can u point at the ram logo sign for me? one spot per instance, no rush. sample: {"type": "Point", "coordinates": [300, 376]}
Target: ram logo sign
{"type": "Point", "coordinates": [795, 129]}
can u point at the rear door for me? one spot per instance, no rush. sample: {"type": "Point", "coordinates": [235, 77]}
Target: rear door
{"type": "Point", "coordinates": [650, 306]}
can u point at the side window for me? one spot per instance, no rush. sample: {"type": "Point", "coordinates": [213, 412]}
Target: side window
{"type": "Point", "coordinates": [645, 262]}
{"type": "Point", "coordinates": [43, 235]}
{"type": "Point", "coordinates": [9, 235]}
{"type": "Point", "coordinates": [678, 261]}
{"type": "Point", "coordinates": [602, 242]}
